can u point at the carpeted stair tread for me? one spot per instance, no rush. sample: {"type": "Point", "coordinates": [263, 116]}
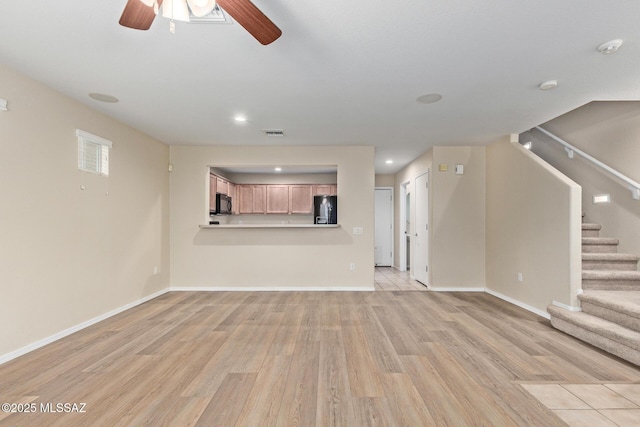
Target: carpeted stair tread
{"type": "Point", "coordinates": [599, 241]}
{"type": "Point", "coordinates": [626, 302]}
{"type": "Point", "coordinates": [598, 326]}
{"type": "Point", "coordinates": [609, 257]}
{"type": "Point", "coordinates": [610, 275]}
{"type": "Point", "coordinates": [599, 244]}
{"type": "Point", "coordinates": [609, 261]}
{"type": "Point", "coordinates": [591, 226]}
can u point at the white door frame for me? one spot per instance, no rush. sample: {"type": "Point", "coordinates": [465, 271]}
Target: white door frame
{"type": "Point", "coordinates": [418, 274]}
{"type": "Point", "coordinates": [402, 236]}
{"type": "Point", "coordinates": [392, 219]}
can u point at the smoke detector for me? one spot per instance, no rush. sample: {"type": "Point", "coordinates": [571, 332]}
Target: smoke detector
{"type": "Point", "coordinates": [609, 47]}
{"type": "Point", "coordinates": [548, 85]}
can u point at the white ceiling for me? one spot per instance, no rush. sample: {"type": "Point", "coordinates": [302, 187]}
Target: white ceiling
{"type": "Point", "coordinates": [343, 72]}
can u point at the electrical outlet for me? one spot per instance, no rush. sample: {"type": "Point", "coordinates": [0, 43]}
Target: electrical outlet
{"type": "Point", "coordinates": [519, 277]}
{"type": "Point", "coordinates": [352, 266]}
{"type": "Point", "coordinates": [155, 270]}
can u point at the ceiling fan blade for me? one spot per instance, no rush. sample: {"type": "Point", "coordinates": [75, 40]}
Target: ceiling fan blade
{"type": "Point", "coordinates": [138, 15]}
{"type": "Point", "coordinates": [252, 19]}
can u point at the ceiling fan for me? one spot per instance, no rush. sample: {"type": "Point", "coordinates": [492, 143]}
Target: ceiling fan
{"type": "Point", "coordinates": [139, 14]}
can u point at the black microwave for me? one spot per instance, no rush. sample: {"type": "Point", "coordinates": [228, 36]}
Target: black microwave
{"type": "Point", "coordinates": [223, 204]}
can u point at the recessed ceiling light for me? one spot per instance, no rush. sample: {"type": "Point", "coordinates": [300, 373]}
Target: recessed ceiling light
{"type": "Point", "coordinates": [610, 46]}
{"type": "Point", "coordinates": [240, 119]}
{"type": "Point", "coordinates": [103, 98]}
{"type": "Point", "coordinates": [429, 98]}
{"type": "Point", "coordinates": [549, 84]}
{"type": "Point", "coordinates": [389, 161]}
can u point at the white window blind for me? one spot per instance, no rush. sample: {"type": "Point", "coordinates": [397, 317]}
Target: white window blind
{"type": "Point", "coordinates": [93, 153]}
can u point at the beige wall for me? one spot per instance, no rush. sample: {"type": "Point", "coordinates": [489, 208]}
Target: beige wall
{"type": "Point", "coordinates": [456, 215]}
{"type": "Point", "coordinates": [283, 258]}
{"type": "Point", "coordinates": [67, 255]}
{"type": "Point", "coordinates": [457, 221]}
{"type": "Point", "coordinates": [608, 131]}
{"type": "Point", "coordinates": [533, 227]}
{"type": "Point", "coordinates": [385, 180]}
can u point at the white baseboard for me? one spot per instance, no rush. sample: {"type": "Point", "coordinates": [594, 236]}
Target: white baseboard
{"type": "Point", "coordinates": [48, 340]}
{"type": "Point", "coordinates": [272, 289]}
{"type": "Point", "coordinates": [457, 289]}
{"type": "Point", "coordinates": [566, 307]}
{"type": "Point", "coordinates": [518, 303]}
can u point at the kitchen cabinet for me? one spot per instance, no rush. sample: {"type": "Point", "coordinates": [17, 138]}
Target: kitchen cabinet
{"type": "Point", "coordinates": [212, 192]}
{"type": "Point", "coordinates": [235, 209]}
{"type": "Point", "coordinates": [259, 199]}
{"type": "Point", "coordinates": [277, 199]}
{"type": "Point", "coordinates": [222, 186]}
{"type": "Point", "coordinates": [300, 199]}
{"type": "Point", "coordinates": [325, 189]}
{"type": "Point", "coordinates": [252, 198]}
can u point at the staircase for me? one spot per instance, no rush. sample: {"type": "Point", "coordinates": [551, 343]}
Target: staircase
{"type": "Point", "coordinates": [610, 316]}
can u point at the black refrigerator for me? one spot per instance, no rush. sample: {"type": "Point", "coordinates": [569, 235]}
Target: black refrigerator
{"type": "Point", "coordinates": [325, 209]}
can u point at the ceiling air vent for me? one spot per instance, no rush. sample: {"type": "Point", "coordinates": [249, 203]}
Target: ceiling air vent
{"type": "Point", "coordinates": [274, 132]}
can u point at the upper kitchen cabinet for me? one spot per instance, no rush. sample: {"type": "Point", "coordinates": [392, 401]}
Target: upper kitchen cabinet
{"type": "Point", "coordinates": [278, 199]}
{"type": "Point", "coordinates": [301, 199]}
{"type": "Point", "coordinates": [324, 189]}
{"type": "Point", "coordinates": [222, 186]}
{"type": "Point", "coordinates": [253, 199]}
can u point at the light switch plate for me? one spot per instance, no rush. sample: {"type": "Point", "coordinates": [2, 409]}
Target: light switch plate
{"type": "Point", "coordinates": [459, 169]}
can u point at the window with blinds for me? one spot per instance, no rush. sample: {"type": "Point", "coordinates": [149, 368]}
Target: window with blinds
{"type": "Point", "coordinates": [93, 153]}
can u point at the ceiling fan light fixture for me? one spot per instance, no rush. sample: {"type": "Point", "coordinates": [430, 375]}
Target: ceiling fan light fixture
{"type": "Point", "coordinates": [175, 9]}
{"type": "Point", "coordinates": [200, 8]}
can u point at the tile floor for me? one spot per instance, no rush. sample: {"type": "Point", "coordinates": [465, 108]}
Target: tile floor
{"type": "Point", "coordinates": [593, 405]}
{"type": "Point", "coordinates": [390, 279]}
{"type": "Point", "coordinates": [578, 405]}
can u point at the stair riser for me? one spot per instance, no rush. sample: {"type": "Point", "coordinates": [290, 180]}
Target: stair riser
{"type": "Point", "coordinates": [601, 249]}
{"type": "Point", "coordinates": [608, 265]}
{"type": "Point", "coordinates": [610, 285]}
{"type": "Point", "coordinates": [599, 341]}
{"type": "Point", "coordinates": [611, 315]}
{"type": "Point", "coordinates": [590, 233]}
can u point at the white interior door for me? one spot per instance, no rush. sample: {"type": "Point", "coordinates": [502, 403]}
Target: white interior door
{"type": "Point", "coordinates": [383, 227]}
{"type": "Point", "coordinates": [420, 268]}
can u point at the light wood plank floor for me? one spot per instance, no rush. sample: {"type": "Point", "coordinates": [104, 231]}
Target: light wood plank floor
{"type": "Point", "coordinates": [397, 358]}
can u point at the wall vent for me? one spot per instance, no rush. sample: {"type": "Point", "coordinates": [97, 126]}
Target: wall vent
{"type": "Point", "coordinates": [273, 132]}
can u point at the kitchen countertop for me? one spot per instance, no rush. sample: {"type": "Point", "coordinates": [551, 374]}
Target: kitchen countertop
{"type": "Point", "coordinates": [240, 226]}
